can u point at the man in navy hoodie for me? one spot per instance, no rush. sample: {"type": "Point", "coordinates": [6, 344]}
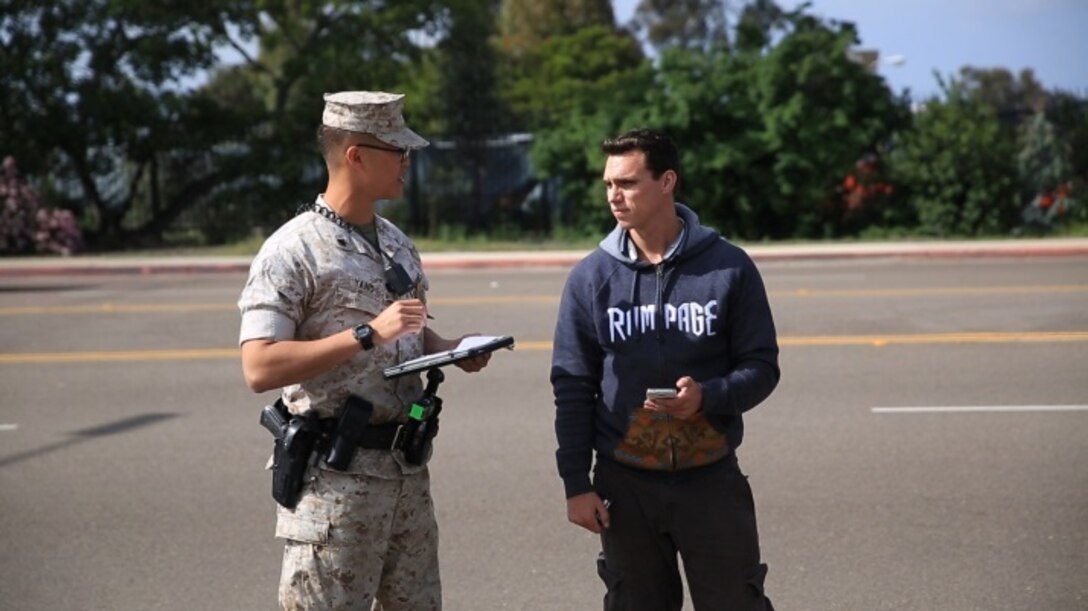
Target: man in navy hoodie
{"type": "Point", "coordinates": [664, 302]}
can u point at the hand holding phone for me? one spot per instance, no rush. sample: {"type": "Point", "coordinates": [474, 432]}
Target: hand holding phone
{"type": "Point", "coordinates": [683, 402]}
{"type": "Point", "coordinates": [661, 393]}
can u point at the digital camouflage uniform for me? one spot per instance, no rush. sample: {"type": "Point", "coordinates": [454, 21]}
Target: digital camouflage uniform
{"type": "Point", "coordinates": [368, 532]}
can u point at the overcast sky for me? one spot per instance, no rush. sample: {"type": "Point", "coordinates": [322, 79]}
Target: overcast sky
{"type": "Point", "coordinates": [1048, 36]}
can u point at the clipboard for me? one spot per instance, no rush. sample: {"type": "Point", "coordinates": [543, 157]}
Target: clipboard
{"type": "Point", "coordinates": [469, 347]}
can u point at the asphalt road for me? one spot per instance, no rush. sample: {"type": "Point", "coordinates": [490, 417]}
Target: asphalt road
{"type": "Point", "coordinates": [131, 459]}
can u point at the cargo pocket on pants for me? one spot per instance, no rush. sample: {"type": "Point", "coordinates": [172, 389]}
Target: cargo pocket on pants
{"type": "Point", "coordinates": [755, 585]}
{"type": "Point", "coordinates": [302, 529]}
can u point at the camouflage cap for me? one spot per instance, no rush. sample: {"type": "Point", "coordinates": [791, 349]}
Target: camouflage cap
{"type": "Point", "coordinates": [371, 112]}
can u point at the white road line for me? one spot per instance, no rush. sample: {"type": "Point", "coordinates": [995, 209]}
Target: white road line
{"type": "Point", "coordinates": [949, 409]}
{"type": "Point", "coordinates": [8, 427]}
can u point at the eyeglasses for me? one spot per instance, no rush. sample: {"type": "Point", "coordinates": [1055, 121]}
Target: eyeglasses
{"type": "Point", "coordinates": [389, 149]}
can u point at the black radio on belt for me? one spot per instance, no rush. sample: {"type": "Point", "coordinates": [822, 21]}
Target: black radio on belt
{"type": "Point", "coordinates": [416, 436]}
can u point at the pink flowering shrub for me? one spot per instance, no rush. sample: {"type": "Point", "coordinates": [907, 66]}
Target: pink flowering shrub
{"type": "Point", "coordinates": [27, 226]}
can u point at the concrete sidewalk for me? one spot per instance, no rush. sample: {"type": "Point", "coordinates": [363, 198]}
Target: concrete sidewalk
{"type": "Point", "coordinates": [150, 264]}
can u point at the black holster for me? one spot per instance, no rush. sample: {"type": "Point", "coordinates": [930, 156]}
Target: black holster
{"type": "Point", "coordinates": [294, 447]}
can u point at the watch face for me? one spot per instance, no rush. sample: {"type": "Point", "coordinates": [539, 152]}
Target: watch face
{"type": "Point", "coordinates": [365, 336]}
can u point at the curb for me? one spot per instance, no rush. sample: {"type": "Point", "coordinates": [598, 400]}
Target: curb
{"type": "Point", "coordinates": [98, 268]}
{"type": "Point", "coordinates": [1056, 247]}
{"type": "Point", "coordinates": [927, 250]}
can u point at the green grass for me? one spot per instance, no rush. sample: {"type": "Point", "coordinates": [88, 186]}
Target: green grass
{"type": "Point", "coordinates": [249, 246]}
{"type": "Point", "coordinates": [458, 242]}
{"type": "Point", "coordinates": [485, 244]}
{"type": "Point", "coordinates": [1073, 230]}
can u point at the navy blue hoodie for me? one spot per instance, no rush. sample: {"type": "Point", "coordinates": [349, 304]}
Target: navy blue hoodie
{"type": "Point", "coordinates": [625, 326]}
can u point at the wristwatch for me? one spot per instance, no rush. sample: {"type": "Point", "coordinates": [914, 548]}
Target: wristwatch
{"type": "Point", "coordinates": [364, 334]}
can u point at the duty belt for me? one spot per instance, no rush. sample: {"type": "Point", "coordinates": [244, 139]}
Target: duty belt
{"type": "Point", "coordinates": [374, 437]}
{"type": "Point", "coordinates": [379, 437]}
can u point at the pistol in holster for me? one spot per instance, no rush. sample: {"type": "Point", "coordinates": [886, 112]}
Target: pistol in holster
{"type": "Point", "coordinates": [296, 437]}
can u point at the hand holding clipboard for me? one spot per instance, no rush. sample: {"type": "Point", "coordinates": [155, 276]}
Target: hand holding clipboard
{"type": "Point", "coordinates": [469, 347]}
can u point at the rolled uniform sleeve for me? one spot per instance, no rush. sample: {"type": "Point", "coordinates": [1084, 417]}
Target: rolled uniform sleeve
{"type": "Point", "coordinates": [273, 300]}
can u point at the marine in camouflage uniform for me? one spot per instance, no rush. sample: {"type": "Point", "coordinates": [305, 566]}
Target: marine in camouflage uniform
{"type": "Point", "coordinates": [367, 533]}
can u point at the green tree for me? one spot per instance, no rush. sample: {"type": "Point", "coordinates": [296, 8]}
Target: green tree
{"type": "Point", "coordinates": [692, 24]}
{"type": "Point", "coordinates": [767, 134]}
{"type": "Point", "coordinates": [571, 154]}
{"type": "Point", "coordinates": [956, 168]}
{"type": "Point", "coordinates": [819, 112]}
{"type": "Point", "coordinates": [101, 106]}
{"type": "Point", "coordinates": [709, 103]}
{"type": "Point", "coordinates": [107, 114]}
{"type": "Point", "coordinates": [469, 98]}
{"type": "Point", "coordinates": [758, 22]}
{"type": "Point", "coordinates": [564, 62]}
{"type": "Point", "coordinates": [1004, 92]}
{"type": "Point", "coordinates": [303, 50]}
{"type": "Point", "coordinates": [524, 24]}
{"type": "Point", "coordinates": [576, 90]}
{"type": "Point", "coordinates": [574, 73]}
{"type": "Point", "coordinates": [1069, 115]}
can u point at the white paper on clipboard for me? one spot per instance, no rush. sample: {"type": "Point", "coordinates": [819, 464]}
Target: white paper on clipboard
{"type": "Point", "coordinates": [467, 348]}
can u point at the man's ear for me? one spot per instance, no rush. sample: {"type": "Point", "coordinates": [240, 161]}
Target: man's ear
{"type": "Point", "coordinates": [352, 154]}
{"type": "Point", "coordinates": [668, 181]}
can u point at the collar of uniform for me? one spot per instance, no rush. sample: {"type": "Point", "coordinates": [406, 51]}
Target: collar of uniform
{"type": "Point", "coordinates": [361, 244]}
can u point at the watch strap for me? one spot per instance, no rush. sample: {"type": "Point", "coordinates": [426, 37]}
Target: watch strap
{"type": "Point", "coordinates": [364, 334]}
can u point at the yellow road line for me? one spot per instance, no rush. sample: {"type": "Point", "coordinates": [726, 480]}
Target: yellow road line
{"type": "Point", "coordinates": [935, 338]}
{"type": "Point", "coordinates": [495, 299]}
{"type": "Point", "coordinates": [886, 340]}
{"type": "Point", "coordinates": [119, 308]}
{"type": "Point", "coordinates": [117, 356]}
{"type": "Point", "coordinates": [541, 345]}
{"type": "Point", "coordinates": [934, 291]}
{"type": "Point", "coordinates": [14, 358]}
{"type": "Point", "coordinates": [154, 308]}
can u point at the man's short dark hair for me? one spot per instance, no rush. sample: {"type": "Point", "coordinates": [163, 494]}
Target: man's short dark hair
{"type": "Point", "coordinates": [331, 140]}
{"type": "Point", "coordinates": [661, 153]}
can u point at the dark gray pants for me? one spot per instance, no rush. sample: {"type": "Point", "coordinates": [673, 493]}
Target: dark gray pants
{"type": "Point", "coordinates": [707, 516]}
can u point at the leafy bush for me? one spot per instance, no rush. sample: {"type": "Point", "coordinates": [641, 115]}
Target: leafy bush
{"type": "Point", "coordinates": [27, 226]}
{"type": "Point", "coordinates": [766, 134]}
{"type": "Point", "coordinates": [957, 167]}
